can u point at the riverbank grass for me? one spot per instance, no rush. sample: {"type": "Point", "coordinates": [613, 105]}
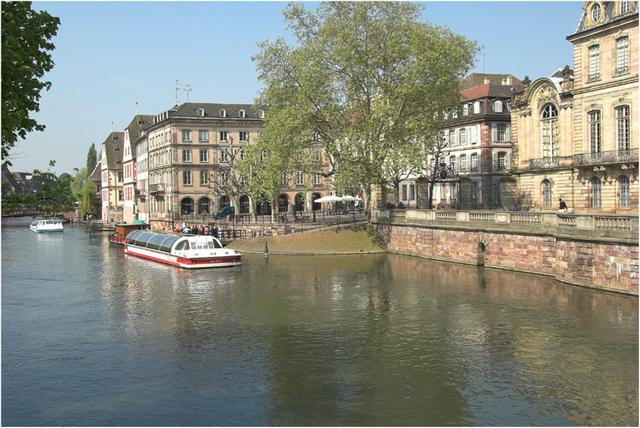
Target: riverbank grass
{"type": "Point", "coordinates": [342, 241]}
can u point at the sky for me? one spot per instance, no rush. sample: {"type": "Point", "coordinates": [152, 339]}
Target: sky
{"type": "Point", "coordinates": [116, 59]}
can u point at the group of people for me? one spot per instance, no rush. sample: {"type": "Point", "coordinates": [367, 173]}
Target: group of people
{"type": "Point", "coordinates": [199, 230]}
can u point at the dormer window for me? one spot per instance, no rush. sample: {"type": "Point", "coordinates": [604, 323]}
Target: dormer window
{"type": "Point", "coordinates": [497, 106]}
{"type": "Point", "coordinates": [241, 113]}
{"type": "Point", "coordinates": [200, 112]}
{"type": "Point", "coordinates": [624, 7]}
{"type": "Point", "coordinates": [223, 113]}
{"type": "Point", "coordinates": [596, 12]}
{"type": "Point", "coordinates": [465, 110]}
{"type": "Point", "coordinates": [476, 107]}
{"type": "Point", "coordinates": [261, 114]}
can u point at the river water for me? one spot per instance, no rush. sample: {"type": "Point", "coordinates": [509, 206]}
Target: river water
{"type": "Point", "coordinates": [93, 337]}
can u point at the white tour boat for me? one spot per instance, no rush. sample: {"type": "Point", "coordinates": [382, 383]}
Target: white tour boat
{"type": "Point", "coordinates": [47, 225]}
{"type": "Point", "coordinates": [186, 251]}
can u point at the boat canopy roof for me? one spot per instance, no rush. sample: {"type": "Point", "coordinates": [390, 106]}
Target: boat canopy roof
{"type": "Point", "coordinates": [152, 240]}
{"type": "Point", "coordinates": [164, 242]}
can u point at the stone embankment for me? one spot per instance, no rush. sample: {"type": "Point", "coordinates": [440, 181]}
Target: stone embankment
{"type": "Point", "coordinates": [350, 240]}
{"type": "Point", "coordinates": [590, 251]}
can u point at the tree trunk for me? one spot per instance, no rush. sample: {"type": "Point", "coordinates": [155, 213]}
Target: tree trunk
{"type": "Point", "coordinates": [396, 190]}
{"type": "Point", "coordinates": [431, 186]}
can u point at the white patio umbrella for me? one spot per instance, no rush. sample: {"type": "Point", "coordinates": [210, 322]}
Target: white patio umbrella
{"type": "Point", "coordinates": [349, 198]}
{"type": "Point", "coordinates": [329, 198]}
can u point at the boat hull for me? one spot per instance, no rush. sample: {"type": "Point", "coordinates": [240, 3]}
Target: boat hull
{"type": "Point", "coordinates": [185, 263]}
{"type": "Point", "coordinates": [49, 230]}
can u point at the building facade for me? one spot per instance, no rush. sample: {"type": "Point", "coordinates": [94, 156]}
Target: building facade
{"type": "Point", "coordinates": [575, 137]}
{"type": "Point", "coordinates": [477, 143]}
{"type": "Point", "coordinates": [131, 135]}
{"type": "Point", "coordinates": [192, 153]}
{"type": "Point", "coordinates": [111, 178]}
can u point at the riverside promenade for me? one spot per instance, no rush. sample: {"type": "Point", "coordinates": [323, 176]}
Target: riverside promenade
{"type": "Point", "coordinates": [598, 251]}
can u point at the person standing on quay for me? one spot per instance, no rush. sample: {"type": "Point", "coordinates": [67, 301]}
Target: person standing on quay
{"type": "Point", "coordinates": [563, 205]}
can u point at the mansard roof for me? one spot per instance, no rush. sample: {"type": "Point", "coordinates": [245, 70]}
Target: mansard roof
{"type": "Point", "coordinates": [213, 110]}
{"type": "Point", "coordinates": [95, 174]}
{"type": "Point", "coordinates": [113, 149]}
{"type": "Point", "coordinates": [474, 86]}
{"type": "Point", "coordinates": [610, 14]}
{"type": "Point", "coordinates": [139, 123]}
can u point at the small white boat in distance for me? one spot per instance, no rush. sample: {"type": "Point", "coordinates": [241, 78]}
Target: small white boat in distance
{"type": "Point", "coordinates": [47, 225]}
{"type": "Point", "coordinates": [185, 251]}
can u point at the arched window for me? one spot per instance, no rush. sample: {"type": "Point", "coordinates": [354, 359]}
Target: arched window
{"type": "Point", "coordinates": [476, 107]}
{"type": "Point", "coordinates": [224, 201]}
{"type": "Point", "coordinates": [186, 206]}
{"type": "Point", "coordinates": [595, 12]}
{"type": "Point", "coordinates": [497, 106]}
{"type": "Point", "coordinates": [546, 193]}
{"type": "Point", "coordinates": [623, 186]}
{"type": "Point", "coordinates": [283, 203]}
{"type": "Point", "coordinates": [244, 204]}
{"type": "Point", "coordinates": [203, 205]}
{"type": "Point", "coordinates": [316, 206]}
{"type": "Point", "coordinates": [549, 128]}
{"type": "Point", "coordinates": [596, 198]}
{"type": "Point", "coordinates": [299, 201]}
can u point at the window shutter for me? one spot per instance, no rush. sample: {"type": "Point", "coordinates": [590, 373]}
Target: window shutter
{"type": "Point", "coordinates": [495, 160]}
{"type": "Point", "coordinates": [508, 133]}
{"type": "Point", "coordinates": [472, 134]}
{"type": "Point", "coordinates": [507, 160]}
{"type": "Point", "coordinates": [494, 132]}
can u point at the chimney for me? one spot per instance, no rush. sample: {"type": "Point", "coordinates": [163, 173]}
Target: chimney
{"type": "Point", "coordinates": [487, 81]}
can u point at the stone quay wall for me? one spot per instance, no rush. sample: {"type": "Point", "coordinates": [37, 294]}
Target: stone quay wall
{"type": "Point", "coordinates": [591, 251]}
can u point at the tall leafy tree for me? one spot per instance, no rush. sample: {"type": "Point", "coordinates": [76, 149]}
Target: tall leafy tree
{"type": "Point", "coordinates": [92, 158]}
{"type": "Point", "coordinates": [264, 165]}
{"type": "Point", "coordinates": [26, 46]}
{"type": "Point", "coordinates": [365, 79]}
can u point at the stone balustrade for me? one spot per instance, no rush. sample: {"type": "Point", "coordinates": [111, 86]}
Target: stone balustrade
{"type": "Point", "coordinates": [589, 226]}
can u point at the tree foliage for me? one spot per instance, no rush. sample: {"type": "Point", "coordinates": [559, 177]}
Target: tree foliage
{"type": "Point", "coordinates": [84, 192]}
{"type": "Point", "coordinates": [26, 46]}
{"type": "Point", "coordinates": [92, 158]}
{"type": "Point", "coordinates": [263, 167]}
{"type": "Point", "coordinates": [364, 81]}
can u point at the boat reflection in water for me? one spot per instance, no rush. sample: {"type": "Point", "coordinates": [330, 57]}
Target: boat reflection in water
{"type": "Point", "coordinates": [185, 251]}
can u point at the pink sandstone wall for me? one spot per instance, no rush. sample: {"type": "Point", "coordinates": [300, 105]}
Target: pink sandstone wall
{"type": "Point", "coordinates": [602, 265]}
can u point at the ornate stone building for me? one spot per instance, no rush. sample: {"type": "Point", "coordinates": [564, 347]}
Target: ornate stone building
{"type": "Point", "coordinates": [191, 155]}
{"type": "Point", "coordinates": [477, 138]}
{"type": "Point", "coordinates": [574, 133]}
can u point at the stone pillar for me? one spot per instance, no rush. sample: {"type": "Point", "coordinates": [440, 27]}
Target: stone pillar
{"type": "Point", "coordinates": [422, 193]}
{"type": "Point", "coordinates": [465, 194]}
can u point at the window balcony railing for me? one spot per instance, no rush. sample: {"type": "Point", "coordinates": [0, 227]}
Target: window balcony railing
{"type": "Point", "coordinates": [611, 156]}
{"type": "Point", "coordinates": [156, 188]}
{"type": "Point", "coordinates": [598, 158]}
{"type": "Point", "coordinates": [550, 162]}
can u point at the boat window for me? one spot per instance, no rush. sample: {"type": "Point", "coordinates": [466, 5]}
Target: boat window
{"type": "Point", "coordinates": [155, 241]}
{"type": "Point", "coordinates": [217, 244]}
{"type": "Point", "coordinates": [183, 245]}
{"type": "Point", "coordinates": [131, 237]}
{"type": "Point", "coordinates": [167, 243]}
{"type": "Point", "coordinates": [143, 239]}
